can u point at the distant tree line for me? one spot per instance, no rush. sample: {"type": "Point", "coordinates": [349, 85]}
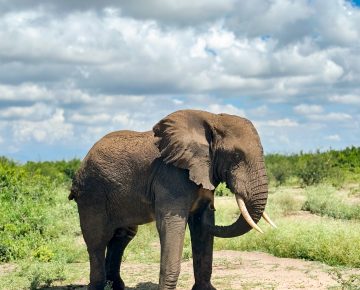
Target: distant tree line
{"type": "Point", "coordinates": [334, 166]}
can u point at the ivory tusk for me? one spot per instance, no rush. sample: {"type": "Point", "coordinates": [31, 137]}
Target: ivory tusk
{"type": "Point", "coordinates": [246, 214]}
{"type": "Point", "coordinates": [267, 218]}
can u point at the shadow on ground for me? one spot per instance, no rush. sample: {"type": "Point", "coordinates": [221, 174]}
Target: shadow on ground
{"type": "Point", "coordinates": [144, 286]}
{"type": "Point", "coordinates": [140, 286]}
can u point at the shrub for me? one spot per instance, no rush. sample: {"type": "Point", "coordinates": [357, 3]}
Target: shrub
{"type": "Point", "coordinates": [278, 168]}
{"type": "Point", "coordinates": [313, 171]}
{"type": "Point", "coordinates": [32, 216]}
{"type": "Point", "coordinates": [323, 200]}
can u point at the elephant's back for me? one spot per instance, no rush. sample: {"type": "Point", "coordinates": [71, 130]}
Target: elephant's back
{"type": "Point", "coordinates": [115, 161]}
{"type": "Point", "coordinates": [117, 147]}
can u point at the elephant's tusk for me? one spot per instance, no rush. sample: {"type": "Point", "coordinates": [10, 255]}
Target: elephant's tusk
{"type": "Point", "coordinates": [246, 214]}
{"type": "Point", "coordinates": [267, 218]}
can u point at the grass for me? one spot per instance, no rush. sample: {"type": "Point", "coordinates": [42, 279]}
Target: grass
{"type": "Point", "coordinates": [321, 239]}
{"type": "Point", "coordinates": [330, 242]}
{"type": "Point", "coordinates": [325, 200]}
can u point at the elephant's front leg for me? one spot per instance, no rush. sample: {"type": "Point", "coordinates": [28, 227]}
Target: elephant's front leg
{"type": "Point", "coordinates": [202, 249]}
{"type": "Point", "coordinates": [171, 227]}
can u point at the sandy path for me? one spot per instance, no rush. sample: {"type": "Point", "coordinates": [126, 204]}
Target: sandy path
{"type": "Point", "coordinates": [239, 270]}
{"type": "Point", "coordinates": [243, 270]}
{"type": "Point", "coordinates": [231, 270]}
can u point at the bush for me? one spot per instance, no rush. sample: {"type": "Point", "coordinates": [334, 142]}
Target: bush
{"type": "Point", "coordinates": [35, 214]}
{"type": "Point", "coordinates": [313, 171]}
{"type": "Point", "coordinates": [278, 168]}
{"type": "Point", "coordinates": [59, 171]}
{"type": "Point", "coordinates": [323, 200]}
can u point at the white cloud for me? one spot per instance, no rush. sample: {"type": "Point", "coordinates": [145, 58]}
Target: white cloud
{"type": "Point", "coordinates": [281, 123]}
{"type": "Point", "coordinates": [26, 91]}
{"type": "Point", "coordinates": [341, 117]}
{"type": "Point", "coordinates": [90, 119]}
{"type": "Point", "coordinates": [35, 112]}
{"type": "Point", "coordinates": [178, 102]}
{"type": "Point", "coordinates": [346, 99]}
{"type": "Point", "coordinates": [124, 120]}
{"type": "Point", "coordinates": [305, 109]}
{"type": "Point", "coordinates": [186, 60]}
{"type": "Point", "coordinates": [227, 108]}
{"type": "Point", "coordinates": [334, 137]}
{"type": "Point", "coordinates": [46, 131]}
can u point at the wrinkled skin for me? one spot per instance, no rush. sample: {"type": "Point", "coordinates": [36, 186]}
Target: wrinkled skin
{"type": "Point", "coordinates": [167, 175]}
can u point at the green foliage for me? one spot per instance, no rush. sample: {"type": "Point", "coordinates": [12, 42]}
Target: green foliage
{"type": "Point", "coordinates": [334, 167]}
{"type": "Point", "coordinates": [313, 170]}
{"type": "Point", "coordinates": [324, 200]}
{"type": "Point", "coordinates": [222, 190]}
{"type": "Point", "coordinates": [34, 275]}
{"type": "Point", "coordinates": [34, 213]}
{"type": "Point", "coordinates": [42, 275]}
{"type": "Point", "coordinates": [61, 171]}
{"type": "Point", "coordinates": [279, 168]}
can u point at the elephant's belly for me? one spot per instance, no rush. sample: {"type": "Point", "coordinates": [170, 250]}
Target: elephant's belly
{"type": "Point", "coordinates": [128, 212]}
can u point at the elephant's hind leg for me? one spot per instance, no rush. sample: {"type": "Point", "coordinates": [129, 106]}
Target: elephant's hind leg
{"type": "Point", "coordinates": [114, 253]}
{"type": "Point", "coordinates": [96, 233]}
{"type": "Point", "coordinates": [96, 245]}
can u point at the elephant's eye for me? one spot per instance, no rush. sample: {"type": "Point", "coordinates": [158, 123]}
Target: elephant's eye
{"type": "Point", "coordinates": [239, 155]}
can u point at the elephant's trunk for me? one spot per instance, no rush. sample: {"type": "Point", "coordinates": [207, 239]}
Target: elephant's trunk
{"type": "Point", "coordinates": [254, 203]}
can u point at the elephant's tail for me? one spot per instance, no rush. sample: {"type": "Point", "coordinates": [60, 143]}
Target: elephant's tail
{"type": "Point", "coordinates": [74, 190]}
{"type": "Point", "coordinates": [71, 195]}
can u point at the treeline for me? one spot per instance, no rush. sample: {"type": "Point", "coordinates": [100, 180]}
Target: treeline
{"type": "Point", "coordinates": [333, 166]}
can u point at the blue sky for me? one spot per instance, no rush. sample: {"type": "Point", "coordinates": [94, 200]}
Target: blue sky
{"type": "Point", "coordinates": [72, 71]}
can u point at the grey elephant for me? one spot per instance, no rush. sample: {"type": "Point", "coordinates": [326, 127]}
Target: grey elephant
{"type": "Point", "coordinates": [168, 175]}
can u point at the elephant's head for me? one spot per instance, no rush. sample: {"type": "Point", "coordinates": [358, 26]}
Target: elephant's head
{"type": "Point", "coordinates": [218, 148]}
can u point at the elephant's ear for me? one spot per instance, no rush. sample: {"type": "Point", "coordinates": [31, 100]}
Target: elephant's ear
{"type": "Point", "coordinates": [183, 140]}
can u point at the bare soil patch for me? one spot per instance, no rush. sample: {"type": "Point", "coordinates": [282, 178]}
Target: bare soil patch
{"type": "Point", "coordinates": [7, 268]}
{"type": "Point", "coordinates": [236, 270]}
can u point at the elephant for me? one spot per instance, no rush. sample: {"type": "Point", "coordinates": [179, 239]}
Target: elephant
{"type": "Point", "coordinates": [168, 175]}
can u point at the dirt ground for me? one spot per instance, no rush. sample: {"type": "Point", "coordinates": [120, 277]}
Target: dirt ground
{"type": "Point", "coordinates": [237, 270]}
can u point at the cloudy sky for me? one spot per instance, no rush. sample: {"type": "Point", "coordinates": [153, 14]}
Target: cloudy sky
{"type": "Point", "coordinates": [72, 71]}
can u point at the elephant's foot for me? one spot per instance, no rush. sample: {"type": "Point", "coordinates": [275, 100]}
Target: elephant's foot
{"type": "Point", "coordinates": [203, 286]}
{"type": "Point", "coordinates": [96, 286]}
{"type": "Point", "coordinates": [117, 284]}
